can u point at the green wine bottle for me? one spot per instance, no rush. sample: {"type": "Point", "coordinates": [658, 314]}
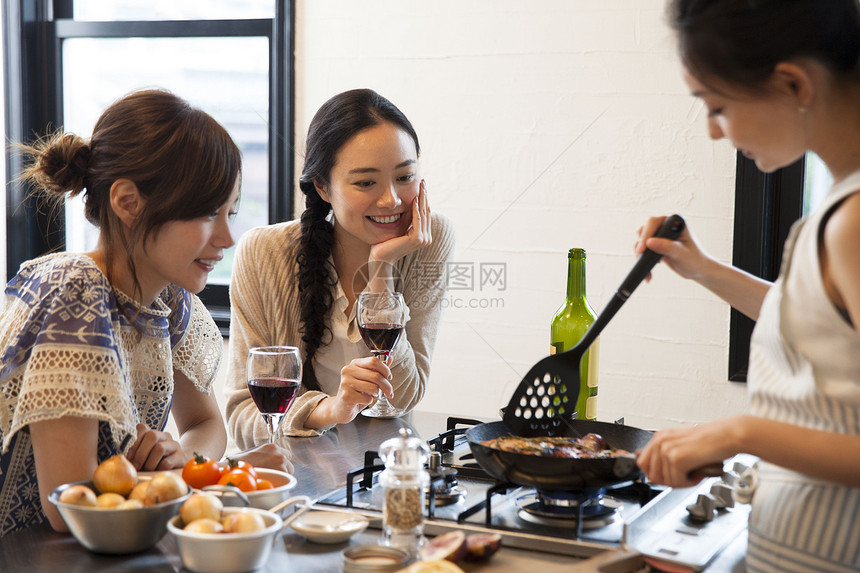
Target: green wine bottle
{"type": "Point", "coordinates": [568, 327]}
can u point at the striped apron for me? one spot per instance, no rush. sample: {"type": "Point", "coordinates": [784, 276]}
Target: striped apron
{"type": "Point", "coordinates": [805, 370]}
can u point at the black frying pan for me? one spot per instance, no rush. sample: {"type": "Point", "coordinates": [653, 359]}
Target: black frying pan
{"type": "Point", "coordinates": [550, 473]}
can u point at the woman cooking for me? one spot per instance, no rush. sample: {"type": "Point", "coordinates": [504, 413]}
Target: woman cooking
{"type": "Point", "coordinates": [780, 78]}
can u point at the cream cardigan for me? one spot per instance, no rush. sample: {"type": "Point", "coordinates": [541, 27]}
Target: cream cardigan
{"type": "Point", "coordinates": [265, 311]}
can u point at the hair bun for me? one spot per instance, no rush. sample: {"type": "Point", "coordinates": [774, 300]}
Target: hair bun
{"type": "Point", "coordinates": [62, 163]}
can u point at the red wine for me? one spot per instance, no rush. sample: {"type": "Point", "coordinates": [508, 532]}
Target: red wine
{"type": "Point", "coordinates": [380, 337]}
{"type": "Point", "coordinates": [273, 395]}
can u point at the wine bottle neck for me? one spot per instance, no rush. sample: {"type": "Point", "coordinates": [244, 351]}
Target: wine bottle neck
{"type": "Point", "coordinates": [576, 275]}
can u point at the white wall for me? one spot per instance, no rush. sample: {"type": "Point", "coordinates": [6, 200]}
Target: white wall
{"type": "Point", "coordinates": [500, 92]}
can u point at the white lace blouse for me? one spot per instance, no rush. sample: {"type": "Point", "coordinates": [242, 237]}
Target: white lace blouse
{"type": "Point", "coordinates": [70, 345]}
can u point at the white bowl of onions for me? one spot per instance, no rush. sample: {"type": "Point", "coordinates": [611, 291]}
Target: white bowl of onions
{"type": "Point", "coordinates": [219, 539]}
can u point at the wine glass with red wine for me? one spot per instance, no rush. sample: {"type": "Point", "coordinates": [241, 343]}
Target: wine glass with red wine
{"type": "Point", "coordinates": [380, 317]}
{"type": "Point", "coordinates": [274, 376]}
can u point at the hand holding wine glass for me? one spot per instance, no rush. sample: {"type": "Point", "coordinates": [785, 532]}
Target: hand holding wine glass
{"type": "Point", "coordinates": [274, 376]}
{"type": "Point", "coordinates": [380, 317]}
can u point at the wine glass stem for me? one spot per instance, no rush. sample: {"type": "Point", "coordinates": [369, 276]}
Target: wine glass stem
{"type": "Point", "coordinates": [382, 399]}
{"type": "Point", "coordinates": [271, 425]}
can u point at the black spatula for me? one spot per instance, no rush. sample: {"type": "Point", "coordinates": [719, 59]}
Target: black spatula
{"type": "Point", "coordinates": [547, 395]}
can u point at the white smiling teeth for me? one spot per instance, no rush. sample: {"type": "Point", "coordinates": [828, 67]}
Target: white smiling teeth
{"type": "Point", "coordinates": [389, 219]}
{"type": "Point", "coordinates": [208, 262]}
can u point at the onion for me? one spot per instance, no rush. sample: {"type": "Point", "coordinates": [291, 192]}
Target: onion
{"type": "Point", "coordinates": [130, 504]}
{"type": "Point", "coordinates": [109, 500]}
{"type": "Point", "coordinates": [78, 495]}
{"type": "Point", "coordinates": [115, 475]}
{"type": "Point", "coordinates": [164, 486]}
{"type": "Point", "coordinates": [199, 506]}
{"type": "Point", "coordinates": [204, 525]}
{"type": "Point", "coordinates": [243, 522]}
{"type": "Point", "coordinates": [139, 491]}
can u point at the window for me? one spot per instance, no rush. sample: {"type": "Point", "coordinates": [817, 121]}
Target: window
{"type": "Point", "coordinates": [69, 59]}
{"type": "Point", "coordinates": [816, 183]}
{"type": "Point", "coordinates": [766, 205]}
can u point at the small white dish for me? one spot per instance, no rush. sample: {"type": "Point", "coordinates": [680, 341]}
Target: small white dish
{"type": "Point", "coordinates": [320, 526]}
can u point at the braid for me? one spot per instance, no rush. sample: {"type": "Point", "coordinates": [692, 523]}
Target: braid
{"type": "Point", "coordinates": [316, 280]}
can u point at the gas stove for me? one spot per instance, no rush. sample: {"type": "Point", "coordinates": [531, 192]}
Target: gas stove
{"type": "Point", "coordinates": [652, 520]}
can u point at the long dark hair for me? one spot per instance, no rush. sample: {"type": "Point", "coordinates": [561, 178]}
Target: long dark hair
{"type": "Point", "coordinates": [182, 161]}
{"type": "Point", "coordinates": [335, 123]}
{"type": "Point", "coordinates": [741, 41]}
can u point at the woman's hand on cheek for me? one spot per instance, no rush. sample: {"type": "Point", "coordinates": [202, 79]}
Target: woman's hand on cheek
{"type": "Point", "coordinates": [418, 235]}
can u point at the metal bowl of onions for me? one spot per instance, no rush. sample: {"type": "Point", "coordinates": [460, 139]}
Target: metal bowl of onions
{"type": "Point", "coordinates": [114, 529]}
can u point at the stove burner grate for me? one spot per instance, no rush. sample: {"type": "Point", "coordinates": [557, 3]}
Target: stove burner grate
{"type": "Point", "coordinates": [588, 523]}
{"type": "Point", "coordinates": [593, 512]}
{"type": "Point", "coordinates": [570, 501]}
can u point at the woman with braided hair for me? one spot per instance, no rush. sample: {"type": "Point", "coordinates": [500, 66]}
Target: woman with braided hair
{"type": "Point", "coordinates": [367, 226]}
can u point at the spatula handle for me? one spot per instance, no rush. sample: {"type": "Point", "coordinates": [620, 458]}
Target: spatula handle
{"type": "Point", "coordinates": [671, 228]}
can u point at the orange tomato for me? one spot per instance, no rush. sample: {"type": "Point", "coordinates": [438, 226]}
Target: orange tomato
{"type": "Point", "coordinates": [240, 479]}
{"type": "Point", "coordinates": [264, 484]}
{"type": "Point", "coordinates": [200, 471]}
{"type": "Point", "coordinates": [240, 465]}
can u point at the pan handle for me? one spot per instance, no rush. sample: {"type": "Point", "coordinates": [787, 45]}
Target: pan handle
{"type": "Point", "coordinates": [624, 466]}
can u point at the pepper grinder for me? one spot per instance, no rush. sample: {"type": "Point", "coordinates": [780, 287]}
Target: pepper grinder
{"type": "Point", "coordinates": [405, 480]}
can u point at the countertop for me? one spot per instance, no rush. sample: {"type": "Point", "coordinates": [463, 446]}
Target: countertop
{"type": "Point", "coordinates": [321, 465]}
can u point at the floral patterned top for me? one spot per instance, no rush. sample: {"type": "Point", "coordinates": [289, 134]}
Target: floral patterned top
{"type": "Point", "coordinates": [71, 345]}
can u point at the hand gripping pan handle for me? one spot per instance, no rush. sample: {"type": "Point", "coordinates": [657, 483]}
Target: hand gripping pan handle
{"type": "Point", "coordinates": [547, 394]}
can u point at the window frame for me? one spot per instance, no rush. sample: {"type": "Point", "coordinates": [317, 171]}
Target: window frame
{"type": "Point", "coordinates": [33, 36]}
{"type": "Point", "coordinates": [766, 206]}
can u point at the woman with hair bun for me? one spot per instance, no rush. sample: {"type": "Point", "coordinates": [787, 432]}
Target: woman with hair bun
{"type": "Point", "coordinates": [367, 225]}
{"type": "Point", "coordinates": [97, 348]}
{"type": "Point", "coordinates": [779, 78]}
